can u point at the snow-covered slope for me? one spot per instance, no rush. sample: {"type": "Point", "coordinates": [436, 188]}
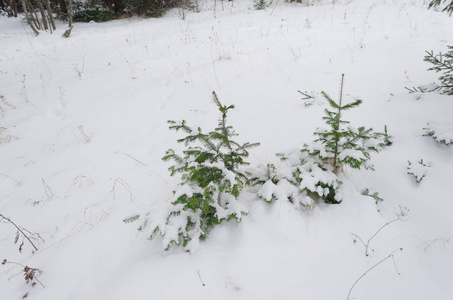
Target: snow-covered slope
{"type": "Point", "coordinates": [84, 129]}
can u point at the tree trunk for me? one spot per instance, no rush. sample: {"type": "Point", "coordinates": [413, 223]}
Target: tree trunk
{"type": "Point", "coordinates": [43, 15]}
{"type": "Point", "coordinates": [14, 8]}
{"type": "Point", "coordinates": [32, 13]}
{"type": "Point", "coordinates": [50, 14]}
{"type": "Point", "coordinates": [335, 167]}
{"type": "Point", "coordinates": [70, 12]}
{"type": "Point", "coordinates": [29, 18]}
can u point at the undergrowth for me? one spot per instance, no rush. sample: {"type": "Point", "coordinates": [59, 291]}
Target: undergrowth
{"type": "Point", "coordinates": [212, 176]}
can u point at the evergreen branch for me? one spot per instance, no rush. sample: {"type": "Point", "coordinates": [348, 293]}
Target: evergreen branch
{"type": "Point", "coordinates": [306, 95]}
{"type": "Point", "coordinates": [179, 126]}
{"type": "Point", "coordinates": [448, 9]}
{"type": "Point", "coordinates": [216, 100]}
{"type": "Point", "coordinates": [352, 105]}
{"type": "Point", "coordinates": [331, 102]}
{"type": "Point", "coordinates": [250, 145]}
{"type": "Point", "coordinates": [438, 61]}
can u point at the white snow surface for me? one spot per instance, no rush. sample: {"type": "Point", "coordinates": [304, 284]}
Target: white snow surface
{"type": "Point", "coordinates": [83, 129]}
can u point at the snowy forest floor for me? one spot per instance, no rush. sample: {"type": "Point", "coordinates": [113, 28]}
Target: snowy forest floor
{"type": "Point", "coordinates": [83, 130]}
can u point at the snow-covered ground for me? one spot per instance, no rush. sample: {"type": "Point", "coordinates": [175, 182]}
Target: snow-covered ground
{"type": "Point", "coordinates": [83, 131]}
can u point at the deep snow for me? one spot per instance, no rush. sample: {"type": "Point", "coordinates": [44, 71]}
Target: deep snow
{"type": "Point", "coordinates": [85, 129]}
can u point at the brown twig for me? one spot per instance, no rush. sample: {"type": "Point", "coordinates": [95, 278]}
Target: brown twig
{"type": "Point", "coordinates": [29, 273]}
{"type": "Point", "coordinates": [367, 244]}
{"type": "Point", "coordinates": [389, 256]}
{"type": "Point", "coordinates": [199, 276]}
{"type": "Point", "coordinates": [19, 229]}
{"type": "Point", "coordinates": [11, 178]}
{"type": "Point", "coordinates": [427, 244]}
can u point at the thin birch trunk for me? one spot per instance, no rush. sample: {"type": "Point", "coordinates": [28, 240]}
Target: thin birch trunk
{"type": "Point", "coordinates": [33, 15]}
{"type": "Point", "coordinates": [50, 13]}
{"type": "Point", "coordinates": [14, 7]}
{"type": "Point", "coordinates": [43, 15]}
{"type": "Point", "coordinates": [70, 13]}
{"type": "Point", "coordinates": [29, 19]}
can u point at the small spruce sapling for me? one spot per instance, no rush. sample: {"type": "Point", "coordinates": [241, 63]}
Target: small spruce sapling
{"type": "Point", "coordinates": [338, 145]}
{"type": "Point", "coordinates": [260, 4]}
{"type": "Point", "coordinates": [313, 171]}
{"type": "Point", "coordinates": [211, 180]}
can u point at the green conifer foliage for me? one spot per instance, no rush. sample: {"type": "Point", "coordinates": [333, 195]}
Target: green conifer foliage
{"type": "Point", "coordinates": [211, 180]}
{"type": "Point", "coordinates": [260, 4]}
{"type": "Point", "coordinates": [312, 173]}
{"type": "Point", "coordinates": [340, 145]}
{"type": "Point", "coordinates": [448, 8]}
{"type": "Point", "coordinates": [443, 62]}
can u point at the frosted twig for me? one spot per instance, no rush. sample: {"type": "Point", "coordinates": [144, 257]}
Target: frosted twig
{"type": "Point", "coordinates": [131, 157]}
{"type": "Point", "coordinates": [24, 90]}
{"type": "Point", "coordinates": [394, 264]}
{"type": "Point", "coordinates": [76, 67]}
{"type": "Point", "coordinates": [235, 286]}
{"type": "Point", "coordinates": [199, 276]}
{"type": "Point", "coordinates": [29, 273]}
{"type": "Point", "coordinates": [19, 229]}
{"type": "Point", "coordinates": [79, 181]}
{"type": "Point", "coordinates": [90, 208]}
{"type": "Point", "coordinates": [276, 3]}
{"type": "Point", "coordinates": [389, 256]}
{"type": "Point", "coordinates": [51, 147]}
{"type": "Point", "coordinates": [367, 244]}
{"type": "Point", "coordinates": [11, 178]}
{"type": "Point", "coordinates": [127, 61]}
{"type": "Point", "coordinates": [84, 135]}
{"type": "Point", "coordinates": [124, 184]}
{"type": "Point", "coordinates": [382, 227]}
{"type": "Point", "coordinates": [428, 244]}
{"type": "Point", "coordinates": [47, 189]}
{"type": "Point", "coordinates": [47, 248]}
{"type": "Point", "coordinates": [4, 104]}
{"type": "Point", "coordinates": [213, 67]}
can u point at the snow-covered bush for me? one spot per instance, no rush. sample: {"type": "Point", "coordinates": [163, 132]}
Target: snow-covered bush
{"type": "Point", "coordinates": [418, 170]}
{"type": "Point", "coordinates": [440, 132]}
{"type": "Point", "coordinates": [157, 8]}
{"type": "Point", "coordinates": [91, 11]}
{"type": "Point", "coordinates": [303, 180]}
{"type": "Point", "coordinates": [211, 180]}
{"type": "Point", "coordinates": [314, 170]}
{"type": "Point", "coordinates": [260, 4]}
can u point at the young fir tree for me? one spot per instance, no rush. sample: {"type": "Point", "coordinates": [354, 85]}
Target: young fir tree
{"type": "Point", "coordinates": [340, 145]}
{"type": "Point", "coordinates": [313, 171]}
{"type": "Point", "coordinates": [211, 179]}
{"type": "Point", "coordinates": [260, 4]}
